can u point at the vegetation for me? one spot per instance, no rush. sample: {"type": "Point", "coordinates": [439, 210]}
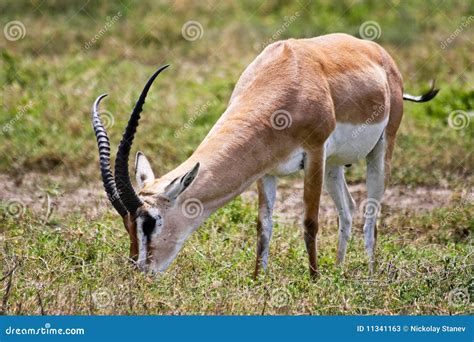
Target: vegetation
{"type": "Point", "coordinates": [64, 249]}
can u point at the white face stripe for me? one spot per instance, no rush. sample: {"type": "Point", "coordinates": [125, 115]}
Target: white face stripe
{"type": "Point", "coordinates": [143, 240]}
{"type": "Point", "coordinates": [142, 245]}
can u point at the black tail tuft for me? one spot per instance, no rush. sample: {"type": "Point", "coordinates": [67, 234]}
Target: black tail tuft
{"type": "Point", "coordinates": [423, 98]}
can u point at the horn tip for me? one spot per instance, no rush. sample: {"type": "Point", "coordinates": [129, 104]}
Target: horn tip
{"type": "Point", "coordinates": [100, 97]}
{"type": "Point", "coordinates": [97, 102]}
{"type": "Point", "coordinates": [164, 67]}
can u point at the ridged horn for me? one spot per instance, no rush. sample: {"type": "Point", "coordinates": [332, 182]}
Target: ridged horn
{"type": "Point", "coordinates": [124, 185]}
{"type": "Point", "coordinates": [104, 158]}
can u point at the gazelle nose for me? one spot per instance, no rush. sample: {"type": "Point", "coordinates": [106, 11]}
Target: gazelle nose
{"type": "Point", "coordinates": [154, 270]}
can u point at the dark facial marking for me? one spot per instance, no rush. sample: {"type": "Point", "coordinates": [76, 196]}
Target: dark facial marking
{"type": "Point", "coordinates": [302, 162]}
{"type": "Point", "coordinates": [148, 225]}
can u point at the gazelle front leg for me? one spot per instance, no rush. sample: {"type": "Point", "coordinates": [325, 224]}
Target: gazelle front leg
{"type": "Point", "coordinates": [313, 181]}
{"type": "Point", "coordinates": [266, 200]}
{"type": "Point", "coordinates": [375, 189]}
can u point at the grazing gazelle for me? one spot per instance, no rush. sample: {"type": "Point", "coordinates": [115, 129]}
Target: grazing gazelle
{"type": "Point", "coordinates": [313, 104]}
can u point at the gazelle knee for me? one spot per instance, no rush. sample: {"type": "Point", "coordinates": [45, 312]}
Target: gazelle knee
{"type": "Point", "coordinates": [345, 223]}
{"type": "Point", "coordinates": [345, 218]}
{"type": "Point", "coordinates": [345, 234]}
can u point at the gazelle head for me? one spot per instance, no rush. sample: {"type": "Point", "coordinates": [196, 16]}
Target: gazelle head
{"type": "Point", "coordinates": [153, 217]}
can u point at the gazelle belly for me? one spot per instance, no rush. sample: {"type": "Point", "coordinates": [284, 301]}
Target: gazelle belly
{"type": "Point", "coordinates": [349, 143]}
{"type": "Point", "coordinates": [292, 164]}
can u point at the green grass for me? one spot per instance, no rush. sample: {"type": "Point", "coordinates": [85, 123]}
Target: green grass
{"type": "Point", "coordinates": [74, 262]}
{"type": "Point", "coordinates": [76, 266]}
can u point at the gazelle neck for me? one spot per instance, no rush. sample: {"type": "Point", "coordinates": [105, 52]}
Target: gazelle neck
{"type": "Point", "coordinates": [231, 159]}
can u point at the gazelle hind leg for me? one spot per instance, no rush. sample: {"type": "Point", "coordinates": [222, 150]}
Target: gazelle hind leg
{"type": "Point", "coordinates": [336, 186]}
{"type": "Point", "coordinates": [375, 189]}
{"type": "Point", "coordinates": [266, 200]}
{"type": "Point", "coordinates": [313, 181]}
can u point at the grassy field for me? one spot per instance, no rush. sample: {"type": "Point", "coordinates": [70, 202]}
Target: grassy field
{"type": "Point", "coordinates": [63, 248]}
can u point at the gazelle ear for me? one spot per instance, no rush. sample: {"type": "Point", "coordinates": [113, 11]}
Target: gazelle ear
{"type": "Point", "coordinates": [178, 185]}
{"type": "Point", "coordinates": [143, 171]}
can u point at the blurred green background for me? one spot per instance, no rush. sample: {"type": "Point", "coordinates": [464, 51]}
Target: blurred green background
{"type": "Point", "coordinates": [54, 73]}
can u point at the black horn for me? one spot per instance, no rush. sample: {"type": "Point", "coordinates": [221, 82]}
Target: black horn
{"type": "Point", "coordinates": [124, 185]}
{"type": "Point", "coordinates": [104, 158]}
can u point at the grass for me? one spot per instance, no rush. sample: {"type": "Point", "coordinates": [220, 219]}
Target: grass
{"type": "Point", "coordinates": [78, 267]}
{"type": "Point", "coordinates": [73, 260]}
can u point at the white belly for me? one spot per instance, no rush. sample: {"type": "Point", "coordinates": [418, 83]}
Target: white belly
{"type": "Point", "coordinates": [346, 145]}
{"type": "Point", "coordinates": [350, 143]}
{"type": "Point", "coordinates": [294, 163]}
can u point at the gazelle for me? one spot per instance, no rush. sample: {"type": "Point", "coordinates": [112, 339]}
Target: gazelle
{"type": "Point", "coordinates": [314, 104]}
